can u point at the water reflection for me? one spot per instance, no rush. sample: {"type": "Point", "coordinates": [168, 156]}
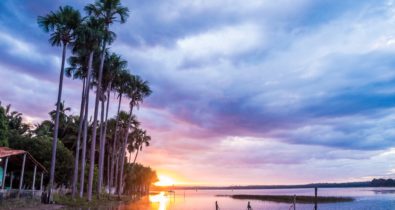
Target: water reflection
{"type": "Point", "coordinates": [366, 199]}
{"type": "Point", "coordinates": [160, 201]}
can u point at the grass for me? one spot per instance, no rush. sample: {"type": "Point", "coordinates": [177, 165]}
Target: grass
{"type": "Point", "coordinates": [290, 198]}
{"type": "Point", "coordinates": [66, 200]}
{"type": "Point", "coordinates": [18, 203]}
{"type": "Point", "coordinates": [105, 200]}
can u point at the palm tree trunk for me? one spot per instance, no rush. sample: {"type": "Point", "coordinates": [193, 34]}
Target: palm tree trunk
{"type": "Point", "coordinates": [105, 126]}
{"type": "Point", "coordinates": [77, 147]}
{"type": "Point", "coordinates": [135, 157]}
{"type": "Point", "coordinates": [103, 131]}
{"type": "Point", "coordinates": [123, 152]}
{"type": "Point", "coordinates": [108, 168]}
{"type": "Point", "coordinates": [114, 144]}
{"type": "Point", "coordinates": [134, 161]}
{"type": "Point", "coordinates": [130, 157]}
{"type": "Point", "coordinates": [93, 143]}
{"type": "Point", "coordinates": [101, 147]}
{"type": "Point", "coordinates": [86, 126]}
{"type": "Point", "coordinates": [55, 136]}
{"type": "Point", "coordinates": [117, 167]}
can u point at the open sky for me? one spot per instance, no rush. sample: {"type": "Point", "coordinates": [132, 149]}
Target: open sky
{"type": "Point", "coordinates": [245, 92]}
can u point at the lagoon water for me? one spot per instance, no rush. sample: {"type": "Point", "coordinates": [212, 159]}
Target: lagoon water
{"type": "Point", "coordinates": [365, 199]}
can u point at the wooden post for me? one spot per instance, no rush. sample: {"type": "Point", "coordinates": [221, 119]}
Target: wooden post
{"type": "Point", "coordinates": [41, 182]}
{"type": "Point", "coordinates": [5, 173]}
{"type": "Point", "coordinates": [315, 198]}
{"type": "Point", "coordinates": [294, 202]}
{"type": "Point", "coordinates": [12, 179]}
{"type": "Point", "coordinates": [34, 178]}
{"type": "Point", "coordinates": [22, 172]}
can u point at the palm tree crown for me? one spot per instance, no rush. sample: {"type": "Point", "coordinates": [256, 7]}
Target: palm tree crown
{"type": "Point", "coordinates": [108, 10]}
{"type": "Point", "coordinates": [62, 24]}
{"type": "Point", "coordinates": [139, 89]}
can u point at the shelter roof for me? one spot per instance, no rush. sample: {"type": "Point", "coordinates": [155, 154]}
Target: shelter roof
{"type": "Point", "coordinates": [8, 152]}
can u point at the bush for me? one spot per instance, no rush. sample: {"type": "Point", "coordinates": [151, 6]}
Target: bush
{"type": "Point", "coordinates": [41, 149]}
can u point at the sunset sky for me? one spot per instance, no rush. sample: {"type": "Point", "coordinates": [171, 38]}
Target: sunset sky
{"type": "Point", "coordinates": [244, 92]}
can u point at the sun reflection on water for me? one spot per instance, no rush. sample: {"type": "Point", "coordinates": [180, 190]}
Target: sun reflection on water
{"type": "Point", "coordinates": [160, 200]}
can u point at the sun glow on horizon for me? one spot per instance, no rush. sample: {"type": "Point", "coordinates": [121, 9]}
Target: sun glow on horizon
{"type": "Point", "coordinates": [164, 181]}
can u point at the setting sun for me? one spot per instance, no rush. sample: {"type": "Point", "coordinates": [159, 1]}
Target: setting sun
{"type": "Point", "coordinates": [164, 181]}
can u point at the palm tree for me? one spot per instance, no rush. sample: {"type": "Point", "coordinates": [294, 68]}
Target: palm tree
{"type": "Point", "coordinates": [138, 91]}
{"type": "Point", "coordinates": [15, 123]}
{"type": "Point", "coordinates": [121, 84]}
{"type": "Point", "coordinates": [62, 25]}
{"type": "Point", "coordinates": [109, 11]}
{"type": "Point", "coordinates": [78, 70]}
{"type": "Point", "coordinates": [113, 67]}
{"type": "Point", "coordinates": [125, 121]}
{"type": "Point", "coordinates": [62, 113]}
{"type": "Point", "coordinates": [90, 34]}
{"type": "Point", "coordinates": [64, 120]}
{"type": "Point", "coordinates": [139, 139]}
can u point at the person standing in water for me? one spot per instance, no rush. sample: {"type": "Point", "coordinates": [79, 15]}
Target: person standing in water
{"type": "Point", "coordinates": [249, 206]}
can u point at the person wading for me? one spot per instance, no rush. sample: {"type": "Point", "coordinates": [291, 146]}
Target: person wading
{"type": "Point", "coordinates": [249, 206]}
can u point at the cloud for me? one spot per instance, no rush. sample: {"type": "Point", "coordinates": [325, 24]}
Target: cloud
{"type": "Point", "coordinates": [264, 86]}
{"type": "Point", "coordinates": [228, 41]}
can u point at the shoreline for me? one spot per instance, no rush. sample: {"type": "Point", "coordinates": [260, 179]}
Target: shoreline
{"type": "Point", "coordinates": [65, 202]}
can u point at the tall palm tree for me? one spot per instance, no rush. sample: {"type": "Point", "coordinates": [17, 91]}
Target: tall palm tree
{"type": "Point", "coordinates": [125, 122]}
{"type": "Point", "coordinates": [113, 67]}
{"type": "Point", "coordinates": [90, 35]}
{"type": "Point", "coordinates": [109, 11]}
{"type": "Point", "coordinates": [78, 70]}
{"type": "Point", "coordinates": [138, 91]}
{"type": "Point", "coordinates": [121, 84]}
{"type": "Point", "coordinates": [61, 24]}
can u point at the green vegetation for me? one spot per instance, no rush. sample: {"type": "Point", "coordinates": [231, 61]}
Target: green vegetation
{"type": "Point", "coordinates": [3, 128]}
{"type": "Point", "coordinates": [139, 179]}
{"type": "Point", "coordinates": [36, 139]}
{"type": "Point", "coordinates": [290, 199]}
{"type": "Point", "coordinates": [40, 148]}
{"type": "Point", "coordinates": [95, 203]}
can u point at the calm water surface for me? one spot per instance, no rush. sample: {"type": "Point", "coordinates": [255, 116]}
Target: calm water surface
{"type": "Point", "coordinates": [365, 199]}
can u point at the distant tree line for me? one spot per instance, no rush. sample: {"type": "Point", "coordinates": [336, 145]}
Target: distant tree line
{"type": "Point", "coordinates": [382, 183]}
{"type": "Point", "coordinates": [373, 183]}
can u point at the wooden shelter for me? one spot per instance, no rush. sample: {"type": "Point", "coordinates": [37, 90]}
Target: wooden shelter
{"type": "Point", "coordinates": [14, 165]}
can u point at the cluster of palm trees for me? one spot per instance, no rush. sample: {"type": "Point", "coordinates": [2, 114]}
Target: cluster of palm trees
{"type": "Point", "coordinates": [91, 61]}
